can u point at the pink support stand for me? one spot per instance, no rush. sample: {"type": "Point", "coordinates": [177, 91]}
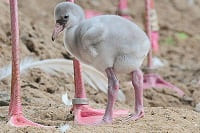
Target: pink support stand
{"type": "Point", "coordinates": [83, 113]}
{"type": "Point", "coordinates": [90, 13]}
{"type": "Point", "coordinates": [152, 80]}
{"type": "Point", "coordinates": [155, 81]}
{"type": "Point", "coordinates": [17, 118]}
{"type": "Point", "coordinates": [123, 9]}
{"type": "Point", "coordinates": [154, 27]}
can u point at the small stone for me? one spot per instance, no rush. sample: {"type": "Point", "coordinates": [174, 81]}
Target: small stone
{"type": "Point", "coordinates": [70, 117]}
{"type": "Point", "coordinates": [47, 115]}
{"type": "Point", "coordinates": [187, 99]}
{"type": "Point", "coordinates": [152, 113]}
{"type": "Point", "coordinates": [4, 99]}
{"type": "Point", "coordinates": [197, 107]}
{"type": "Point", "coordinates": [2, 118]}
{"type": "Point", "coordinates": [50, 90]}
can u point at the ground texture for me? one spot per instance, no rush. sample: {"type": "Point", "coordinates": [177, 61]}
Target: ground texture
{"type": "Point", "coordinates": [41, 92]}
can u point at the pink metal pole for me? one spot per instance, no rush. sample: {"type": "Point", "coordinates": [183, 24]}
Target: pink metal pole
{"type": "Point", "coordinates": [123, 9]}
{"type": "Point", "coordinates": [154, 27]}
{"type": "Point", "coordinates": [15, 108]}
{"type": "Point", "coordinates": [90, 13]}
{"type": "Point", "coordinates": [15, 105]}
{"type": "Point", "coordinates": [79, 84]}
{"type": "Point", "coordinates": [148, 30]}
{"type": "Point", "coordinates": [123, 4]}
{"type": "Point", "coordinates": [152, 80]}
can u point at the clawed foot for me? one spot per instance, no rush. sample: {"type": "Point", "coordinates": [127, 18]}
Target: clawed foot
{"type": "Point", "coordinates": [135, 116]}
{"type": "Point", "coordinates": [21, 121]}
{"type": "Point", "coordinates": [103, 122]}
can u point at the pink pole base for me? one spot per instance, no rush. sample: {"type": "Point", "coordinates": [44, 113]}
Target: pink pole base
{"type": "Point", "coordinates": [85, 115]}
{"type": "Point", "coordinates": [155, 81]}
{"type": "Point", "coordinates": [90, 13]}
{"type": "Point", "coordinates": [126, 16]}
{"type": "Point", "coordinates": [20, 121]}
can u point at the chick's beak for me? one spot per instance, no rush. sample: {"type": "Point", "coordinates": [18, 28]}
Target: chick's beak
{"type": "Point", "coordinates": [57, 30]}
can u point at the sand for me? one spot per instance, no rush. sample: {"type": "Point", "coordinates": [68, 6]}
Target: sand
{"type": "Point", "coordinates": [41, 92]}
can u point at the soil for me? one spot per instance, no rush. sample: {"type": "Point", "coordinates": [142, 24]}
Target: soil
{"type": "Point", "coordinates": [165, 111]}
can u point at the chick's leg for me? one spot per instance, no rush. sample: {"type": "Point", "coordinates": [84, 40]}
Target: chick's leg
{"type": "Point", "coordinates": [113, 87]}
{"type": "Point", "coordinates": [137, 81]}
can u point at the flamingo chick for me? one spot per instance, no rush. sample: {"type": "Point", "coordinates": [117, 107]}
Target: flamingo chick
{"type": "Point", "coordinates": [109, 43]}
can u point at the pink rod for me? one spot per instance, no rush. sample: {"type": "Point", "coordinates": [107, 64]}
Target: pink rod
{"type": "Point", "coordinates": [122, 4]}
{"type": "Point", "coordinates": [152, 4]}
{"type": "Point", "coordinates": [15, 104]}
{"type": "Point", "coordinates": [148, 30]}
{"type": "Point", "coordinates": [78, 79]}
{"type": "Point", "coordinates": [71, 1]}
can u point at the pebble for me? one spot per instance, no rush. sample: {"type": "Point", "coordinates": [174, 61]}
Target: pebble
{"type": "Point", "coordinates": [197, 107]}
{"type": "Point", "coordinates": [4, 99]}
{"type": "Point", "coordinates": [187, 99]}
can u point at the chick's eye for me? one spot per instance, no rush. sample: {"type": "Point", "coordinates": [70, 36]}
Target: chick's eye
{"type": "Point", "coordinates": [66, 16]}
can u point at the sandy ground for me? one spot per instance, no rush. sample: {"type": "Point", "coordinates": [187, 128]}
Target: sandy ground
{"type": "Point", "coordinates": [41, 92]}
